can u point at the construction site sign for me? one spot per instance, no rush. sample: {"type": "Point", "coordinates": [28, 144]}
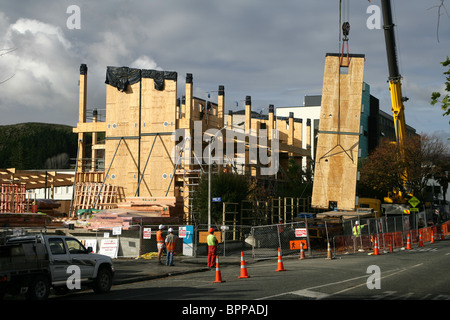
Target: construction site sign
{"type": "Point", "coordinates": [296, 244]}
{"type": "Point", "coordinates": [147, 233]}
{"type": "Point", "coordinates": [182, 232]}
{"type": "Point", "coordinates": [109, 247]}
{"type": "Point", "coordinates": [300, 232]}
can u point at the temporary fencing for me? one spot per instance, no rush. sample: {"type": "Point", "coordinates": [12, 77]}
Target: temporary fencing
{"type": "Point", "coordinates": [265, 240]}
{"type": "Point", "coordinates": [388, 241]}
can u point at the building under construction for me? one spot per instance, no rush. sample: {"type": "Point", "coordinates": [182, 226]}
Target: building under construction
{"type": "Point", "coordinates": [156, 145]}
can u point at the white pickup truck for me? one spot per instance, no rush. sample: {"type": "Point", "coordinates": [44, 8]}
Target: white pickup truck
{"type": "Point", "coordinates": [34, 264]}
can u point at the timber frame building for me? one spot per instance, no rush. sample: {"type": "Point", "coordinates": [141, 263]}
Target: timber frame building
{"type": "Point", "coordinates": [157, 145]}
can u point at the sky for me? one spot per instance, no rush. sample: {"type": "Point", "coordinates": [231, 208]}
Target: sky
{"type": "Point", "coordinates": [273, 51]}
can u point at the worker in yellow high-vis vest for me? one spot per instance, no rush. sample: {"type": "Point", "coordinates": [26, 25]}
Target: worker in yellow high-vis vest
{"type": "Point", "coordinates": [212, 247]}
{"type": "Point", "coordinates": [357, 229]}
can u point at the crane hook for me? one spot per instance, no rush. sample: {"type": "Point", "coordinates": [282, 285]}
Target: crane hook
{"type": "Point", "coordinates": [346, 29]}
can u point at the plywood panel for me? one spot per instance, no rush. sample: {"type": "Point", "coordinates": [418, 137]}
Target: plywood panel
{"type": "Point", "coordinates": [338, 139]}
{"type": "Point", "coordinates": [136, 115]}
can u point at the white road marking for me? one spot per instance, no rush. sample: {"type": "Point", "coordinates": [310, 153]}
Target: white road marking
{"type": "Point", "coordinates": [308, 292]}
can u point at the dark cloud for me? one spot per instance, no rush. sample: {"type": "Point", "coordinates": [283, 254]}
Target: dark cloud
{"type": "Point", "coordinates": [271, 50]}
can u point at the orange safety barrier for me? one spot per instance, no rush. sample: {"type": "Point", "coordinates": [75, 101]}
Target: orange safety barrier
{"type": "Point", "coordinates": [446, 228]}
{"type": "Point", "coordinates": [390, 240]}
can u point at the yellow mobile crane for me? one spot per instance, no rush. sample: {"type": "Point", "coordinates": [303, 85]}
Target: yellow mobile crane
{"type": "Point", "coordinates": [395, 87]}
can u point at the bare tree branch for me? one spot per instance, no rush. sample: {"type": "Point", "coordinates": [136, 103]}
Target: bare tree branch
{"type": "Point", "coordinates": [6, 51]}
{"type": "Point", "coordinates": [440, 7]}
{"type": "Point", "coordinates": [2, 53]}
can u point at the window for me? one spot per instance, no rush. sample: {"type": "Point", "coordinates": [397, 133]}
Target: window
{"type": "Point", "coordinates": [56, 246]}
{"type": "Point", "coordinates": [75, 246]}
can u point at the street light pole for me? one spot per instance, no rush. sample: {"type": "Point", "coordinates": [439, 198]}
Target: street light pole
{"type": "Point", "coordinates": [209, 168]}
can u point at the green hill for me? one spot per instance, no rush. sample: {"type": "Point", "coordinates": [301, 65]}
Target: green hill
{"type": "Point", "coordinates": [31, 145]}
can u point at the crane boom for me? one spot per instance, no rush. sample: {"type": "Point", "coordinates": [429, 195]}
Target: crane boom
{"type": "Point", "coordinates": [395, 85]}
{"type": "Point", "coordinates": [397, 99]}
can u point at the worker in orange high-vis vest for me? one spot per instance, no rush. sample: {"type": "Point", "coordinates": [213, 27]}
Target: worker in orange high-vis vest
{"type": "Point", "coordinates": [171, 242]}
{"type": "Point", "coordinates": [160, 242]}
{"type": "Point", "coordinates": [212, 248]}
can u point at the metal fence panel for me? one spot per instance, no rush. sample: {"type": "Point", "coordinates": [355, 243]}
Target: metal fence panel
{"type": "Point", "coordinates": [267, 239]}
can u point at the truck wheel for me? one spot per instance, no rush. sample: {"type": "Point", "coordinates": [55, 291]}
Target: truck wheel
{"type": "Point", "coordinates": [103, 282]}
{"type": "Point", "coordinates": [39, 288]}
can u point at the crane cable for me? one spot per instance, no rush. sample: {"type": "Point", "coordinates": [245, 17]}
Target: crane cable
{"type": "Point", "coordinates": [338, 135]}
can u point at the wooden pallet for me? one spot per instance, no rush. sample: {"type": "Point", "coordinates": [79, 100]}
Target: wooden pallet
{"type": "Point", "coordinates": [91, 195]}
{"type": "Point", "coordinates": [13, 198]}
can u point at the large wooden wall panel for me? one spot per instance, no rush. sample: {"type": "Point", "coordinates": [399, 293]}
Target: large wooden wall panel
{"type": "Point", "coordinates": [338, 139]}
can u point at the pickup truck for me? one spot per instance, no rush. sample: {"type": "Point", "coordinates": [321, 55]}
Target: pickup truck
{"type": "Point", "coordinates": [32, 265]}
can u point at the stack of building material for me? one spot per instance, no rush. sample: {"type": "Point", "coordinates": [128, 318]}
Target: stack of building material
{"type": "Point", "coordinates": [30, 220]}
{"type": "Point", "coordinates": [109, 220]}
{"type": "Point", "coordinates": [159, 205]}
{"type": "Point", "coordinates": [139, 210]}
{"type": "Point", "coordinates": [94, 194]}
{"type": "Point", "coordinates": [48, 206]}
{"type": "Point", "coordinates": [13, 198]}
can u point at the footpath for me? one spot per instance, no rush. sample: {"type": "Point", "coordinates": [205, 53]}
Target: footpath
{"type": "Point", "coordinates": [134, 270]}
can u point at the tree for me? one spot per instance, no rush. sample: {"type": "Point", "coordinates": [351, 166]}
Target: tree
{"type": "Point", "coordinates": [385, 170]}
{"type": "Point", "coordinates": [436, 96]}
{"type": "Point", "coordinates": [228, 186]}
{"type": "Point", "coordinates": [299, 180]}
{"type": "Point", "coordinates": [382, 171]}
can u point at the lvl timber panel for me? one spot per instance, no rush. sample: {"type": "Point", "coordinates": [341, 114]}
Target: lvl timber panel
{"type": "Point", "coordinates": [158, 117]}
{"type": "Point", "coordinates": [337, 154]}
{"type": "Point", "coordinates": [122, 119]}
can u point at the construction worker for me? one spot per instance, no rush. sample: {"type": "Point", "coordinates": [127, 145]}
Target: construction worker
{"type": "Point", "coordinates": [212, 247]}
{"type": "Point", "coordinates": [357, 229]}
{"type": "Point", "coordinates": [357, 234]}
{"type": "Point", "coordinates": [171, 242]}
{"type": "Point", "coordinates": [160, 242]}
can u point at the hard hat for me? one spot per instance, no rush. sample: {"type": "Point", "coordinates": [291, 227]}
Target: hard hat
{"type": "Point", "coordinates": [161, 226]}
{"type": "Point", "coordinates": [211, 230]}
{"type": "Point", "coordinates": [357, 222]}
{"type": "Point", "coordinates": [170, 230]}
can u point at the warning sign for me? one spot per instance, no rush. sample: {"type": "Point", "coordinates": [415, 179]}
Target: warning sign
{"type": "Point", "coordinates": [296, 244]}
{"type": "Point", "coordinates": [109, 247]}
{"type": "Point", "coordinates": [300, 232]}
{"type": "Point", "coordinates": [147, 233]}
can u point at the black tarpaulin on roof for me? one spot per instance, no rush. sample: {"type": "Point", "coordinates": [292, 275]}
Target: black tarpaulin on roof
{"type": "Point", "coordinates": [159, 77]}
{"type": "Point", "coordinates": [122, 77]}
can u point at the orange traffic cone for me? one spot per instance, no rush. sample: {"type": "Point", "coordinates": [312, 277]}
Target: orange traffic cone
{"type": "Point", "coordinates": [408, 243]}
{"type": "Point", "coordinates": [432, 236]}
{"type": "Point", "coordinates": [376, 252]}
{"type": "Point", "coordinates": [280, 261]}
{"type": "Point", "coordinates": [420, 240]}
{"type": "Point", "coordinates": [329, 256]}
{"type": "Point", "coordinates": [218, 274]}
{"type": "Point", "coordinates": [302, 253]}
{"type": "Point", "coordinates": [244, 273]}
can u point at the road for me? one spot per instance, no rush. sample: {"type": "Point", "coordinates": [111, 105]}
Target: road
{"type": "Point", "coordinates": [418, 274]}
